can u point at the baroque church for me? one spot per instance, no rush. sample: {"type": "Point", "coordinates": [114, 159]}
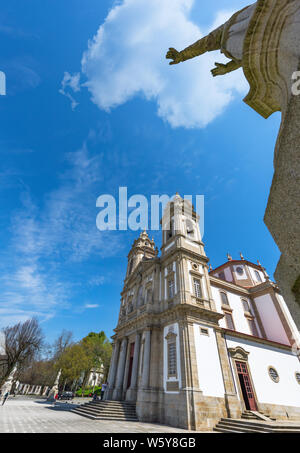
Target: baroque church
{"type": "Point", "coordinates": [194, 344]}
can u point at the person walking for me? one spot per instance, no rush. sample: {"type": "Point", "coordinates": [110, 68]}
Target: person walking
{"type": "Point", "coordinates": [6, 395]}
{"type": "Point", "coordinates": [103, 388]}
{"type": "Point", "coordinates": [55, 399]}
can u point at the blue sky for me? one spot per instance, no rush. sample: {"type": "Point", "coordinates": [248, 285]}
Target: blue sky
{"type": "Point", "coordinates": [126, 119]}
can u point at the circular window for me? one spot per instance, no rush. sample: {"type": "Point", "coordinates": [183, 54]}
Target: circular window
{"type": "Point", "coordinates": [298, 377]}
{"type": "Point", "coordinates": [239, 270]}
{"type": "Point", "coordinates": [273, 374]}
{"type": "Point", "coordinates": [195, 266]}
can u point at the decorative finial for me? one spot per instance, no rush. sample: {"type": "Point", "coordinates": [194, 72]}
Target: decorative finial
{"type": "Point", "coordinates": [210, 268]}
{"type": "Point", "coordinates": [229, 257]}
{"type": "Point", "coordinates": [241, 255]}
{"type": "Point", "coordinates": [259, 263]}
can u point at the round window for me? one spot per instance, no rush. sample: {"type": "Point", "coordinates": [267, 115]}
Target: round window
{"type": "Point", "coordinates": [273, 374]}
{"type": "Point", "coordinates": [239, 270]}
{"type": "Point", "coordinates": [298, 377]}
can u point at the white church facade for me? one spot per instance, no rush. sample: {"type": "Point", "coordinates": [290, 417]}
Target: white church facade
{"type": "Point", "coordinates": [194, 344]}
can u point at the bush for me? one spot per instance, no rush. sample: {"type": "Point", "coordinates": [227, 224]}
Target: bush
{"type": "Point", "coordinates": [88, 391]}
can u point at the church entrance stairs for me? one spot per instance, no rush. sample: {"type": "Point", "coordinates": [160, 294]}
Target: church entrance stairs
{"type": "Point", "coordinates": [228, 425]}
{"type": "Point", "coordinates": [107, 410]}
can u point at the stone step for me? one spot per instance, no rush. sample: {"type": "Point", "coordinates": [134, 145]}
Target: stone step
{"type": "Point", "coordinates": [250, 415]}
{"type": "Point", "coordinates": [111, 406]}
{"type": "Point", "coordinates": [115, 412]}
{"type": "Point", "coordinates": [100, 404]}
{"type": "Point", "coordinates": [239, 425]}
{"type": "Point", "coordinates": [104, 417]}
{"type": "Point", "coordinates": [257, 423]}
{"type": "Point", "coordinates": [115, 408]}
{"type": "Point", "coordinates": [107, 410]}
{"type": "Point", "coordinates": [240, 428]}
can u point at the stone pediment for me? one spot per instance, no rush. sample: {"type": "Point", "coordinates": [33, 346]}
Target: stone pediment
{"type": "Point", "coordinates": [238, 353]}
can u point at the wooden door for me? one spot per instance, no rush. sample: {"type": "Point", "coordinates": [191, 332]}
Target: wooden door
{"type": "Point", "coordinates": [246, 386]}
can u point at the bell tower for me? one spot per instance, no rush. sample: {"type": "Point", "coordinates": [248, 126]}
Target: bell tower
{"type": "Point", "coordinates": [142, 248]}
{"type": "Point", "coordinates": [180, 227]}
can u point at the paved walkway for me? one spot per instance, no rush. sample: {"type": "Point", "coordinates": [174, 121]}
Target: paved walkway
{"type": "Point", "coordinates": [30, 415]}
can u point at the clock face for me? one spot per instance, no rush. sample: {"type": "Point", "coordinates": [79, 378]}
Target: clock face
{"type": "Point", "coordinates": [239, 270]}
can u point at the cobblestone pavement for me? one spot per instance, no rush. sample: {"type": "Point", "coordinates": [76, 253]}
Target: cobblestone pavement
{"type": "Point", "coordinates": [31, 415]}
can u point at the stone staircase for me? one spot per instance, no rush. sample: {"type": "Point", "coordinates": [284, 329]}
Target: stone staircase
{"type": "Point", "coordinates": [107, 410]}
{"type": "Point", "coordinates": [252, 415]}
{"type": "Point", "coordinates": [228, 425]}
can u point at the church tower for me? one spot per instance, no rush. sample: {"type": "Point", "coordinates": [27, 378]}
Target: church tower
{"type": "Point", "coordinates": [183, 331]}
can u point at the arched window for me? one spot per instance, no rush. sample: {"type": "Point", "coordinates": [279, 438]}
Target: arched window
{"type": "Point", "coordinates": [140, 296]}
{"type": "Point", "coordinates": [130, 266]}
{"type": "Point", "coordinates": [224, 298]}
{"type": "Point", "coordinates": [189, 228]}
{"type": "Point", "coordinates": [197, 288]}
{"type": "Point", "coordinates": [257, 276]}
{"type": "Point", "coordinates": [171, 288]}
{"type": "Point", "coordinates": [229, 321]}
{"type": "Point", "coordinates": [246, 305]}
{"type": "Point", "coordinates": [149, 296]}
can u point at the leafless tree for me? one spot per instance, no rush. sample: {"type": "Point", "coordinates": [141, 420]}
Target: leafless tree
{"type": "Point", "coordinates": [23, 342]}
{"type": "Point", "coordinates": [64, 340]}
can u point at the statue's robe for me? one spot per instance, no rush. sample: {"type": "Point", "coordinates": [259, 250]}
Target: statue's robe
{"type": "Point", "coordinates": [265, 38]}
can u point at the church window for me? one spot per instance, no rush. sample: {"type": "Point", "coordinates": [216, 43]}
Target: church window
{"type": "Point", "coordinates": [204, 331]}
{"type": "Point", "coordinates": [253, 328]}
{"type": "Point", "coordinates": [170, 232]}
{"type": "Point", "coordinates": [149, 295]}
{"type": "Point", "coordinates": [197, 288]}
{"type": "Point", "coordinates": [222, 276]}
{"type": "Point", "coordinates": [246, 305]}
{"type": "Point", "coordinates": [189, 227]}
{"type": "Point", "coordinates": [298, 377]}
{"type": "Point", "coordinates": [171, 288]}
{"type": "Point", "coordinates": [239, 270]}
{"type": "Point", "coordinates": [273, 374]}
{"type": "Point", "coordinates": [258, 277]}
{"type": "Point", "coordinates": [224, 298]}
{"type": "Point", "coordinates": [130, 266]}
{"type": "Point", "coordinates": [140, 297]}
{"type": "Point", "coordinates": [172, 362]}
{"type": "Point", "coordinates": [229, 321]}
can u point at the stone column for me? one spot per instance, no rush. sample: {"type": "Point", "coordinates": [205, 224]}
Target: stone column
{"type": "Point", "coordinates": [132, 391]}
{"type": "Point", "coordinates": [146, 361]}
{"type": "Point", "coordinates": [134, 374]}
{"type": "Point", "coordinates": [112, 371]}
{"type": "Point", "coordinates": [117, 393]}
{"type": "Point", "coordinates": [126, 369]}
{"type": "Point", "coordinates": [191, 392]}
{"type": "Point", "coordinates": [233, 405]}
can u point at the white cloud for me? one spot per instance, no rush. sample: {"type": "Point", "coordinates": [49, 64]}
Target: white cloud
{"type": "Point", "coordinates": [91, 305]}
{"type": "Point", "coordinates": [73, 82]}
{"type": "Point", "coordinates": [126, 58]}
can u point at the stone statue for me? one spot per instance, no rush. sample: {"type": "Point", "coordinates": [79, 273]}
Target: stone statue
{"type": "Point", "coordinates": [228, 39]}
{"type": "Point", "coordinates": [54, 390]}
{"type": "Point", "coordinates": [264, 40]}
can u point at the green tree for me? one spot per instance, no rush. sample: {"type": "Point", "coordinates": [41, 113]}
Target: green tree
{"type": "Point", "coordinates": [73, 362]}
{"type": "Point", "coordinates": [98, 349]}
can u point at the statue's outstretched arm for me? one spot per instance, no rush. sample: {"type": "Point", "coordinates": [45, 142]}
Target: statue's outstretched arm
{"type": "Point", "coordinates": [211, 42]}
{"type": "Point", "coordinates": [222, 69]}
